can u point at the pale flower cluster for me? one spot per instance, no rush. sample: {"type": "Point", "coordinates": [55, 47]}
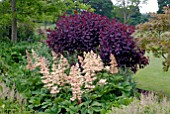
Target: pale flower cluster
{"type": "Point", "coordinates": [56, 78]}
{"type": "Point", "coordinates": [113, 65]}
{"type": "Point", "coordinates": [76, 81]}
{"type": "Point", "coordinates": [52, 80]}
{"type": "Point", "coordinates": [102, 82]}
{"type": "Point", "coordinates": [91, 64]}
{"type": "Point", "coordinates": [30, 64]}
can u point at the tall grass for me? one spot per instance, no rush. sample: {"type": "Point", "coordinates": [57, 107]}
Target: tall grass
{"type": "Point", "coordinates": [148, 104]}
{"type": "Point", "coordinates": [11, 94]}
{"type": "Point", "coordinates": [12, 102]}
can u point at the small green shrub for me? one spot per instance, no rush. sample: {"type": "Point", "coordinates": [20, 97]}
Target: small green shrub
{"type": "Point", "coordinates": [12, 55]}
{"type": "Point", "coordinates": [25, 32]}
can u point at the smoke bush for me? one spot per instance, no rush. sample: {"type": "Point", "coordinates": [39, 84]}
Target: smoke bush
{"type": "Point", "coordinates": [89, 31]}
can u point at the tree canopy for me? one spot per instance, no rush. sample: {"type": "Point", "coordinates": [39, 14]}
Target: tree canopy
{"type": "Point", "coordinates": [34, 11]}
{"type": "Point", "coordinates": [102, 7]}
{"type": "Point", "coordinates": [154, 36]}
{"type": "Point", "coordinates": [161, 4]}
{"type": "Point", "coordinates": [127, 11]}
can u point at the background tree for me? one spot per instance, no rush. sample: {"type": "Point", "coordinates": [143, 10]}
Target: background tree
{"type": "Point", "coordinates": [29, 13]}
{"type": "Point", "coordinates": [161, 4]}
{"type": "Point", "coordinates": [5, 19]}
{"type": "Point", "coordinates": [127, 11]}
{"type": "Point", "coordinates": [14, 21]}
{"type": "Point", "coordinates": [154, 36]}
{"type": "Point", "coordinates": [102, 7]}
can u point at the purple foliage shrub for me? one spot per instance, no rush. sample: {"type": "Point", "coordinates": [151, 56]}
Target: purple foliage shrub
{"type": "Point", "coordinates": [80, 32]}
{"type": "Point", "coordinates": [89, 31]}
{"type": "Point", "coordinates": [116, 39]}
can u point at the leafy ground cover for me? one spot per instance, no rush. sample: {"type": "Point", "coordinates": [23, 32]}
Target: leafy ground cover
{"type": "Point", "coordinates": [118, 90]}
{"type": "Point", "coordinates": [153, 78]}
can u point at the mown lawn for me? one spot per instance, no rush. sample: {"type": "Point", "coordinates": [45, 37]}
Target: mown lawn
{"type": "Point", "coordinates": [153, 77]}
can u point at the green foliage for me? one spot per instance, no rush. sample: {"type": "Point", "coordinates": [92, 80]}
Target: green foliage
{"type": "Point", "coordinates": [102, 7]}
{"type": "Point", "coordinates": [40, 10]}
{"type": "Point", "coordinates": [13, 62]}
{"type": "Point", "coordinates": [144, 18]}
{"type": "Point", "coordinates": [101, 99]}
{"type": "Point", "coordinates": [26, 32]}
{"type": "Point", "coordinates": [5, 19]}
{"type": "Point", "coordinates": [30, 13]}
{"type": "Point", "coordinates": [118, 90]}
{"type": "Point", "coordinates": [131, 14]}
{"type": "Point", "coordinates": [128, 11]}
{"type": "Point", "coordinates": [13, 72]}
{"type": "Point", "coordinates": [154, 36]}
{"type": "Point", "coordinates": [161, 4]}
{"type": "Point", "coordinates": [77, 5]}
{"type": "Point", "coordinates": [13, 107]}
{"type": "Point", "coordinates": [12, 54]}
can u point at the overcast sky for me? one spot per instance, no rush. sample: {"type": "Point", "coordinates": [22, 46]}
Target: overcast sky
{"type": "Point", "coordinates": [151, 6]}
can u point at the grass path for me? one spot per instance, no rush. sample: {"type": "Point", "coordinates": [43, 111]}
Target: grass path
{"type": "Point", "coordinates": [153, 77]}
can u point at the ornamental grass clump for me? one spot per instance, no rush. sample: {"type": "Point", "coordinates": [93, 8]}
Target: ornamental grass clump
{"type": "Point", "coordinates": [148, 104]}
{"type": "Point", "coordinates": [10, 94]}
